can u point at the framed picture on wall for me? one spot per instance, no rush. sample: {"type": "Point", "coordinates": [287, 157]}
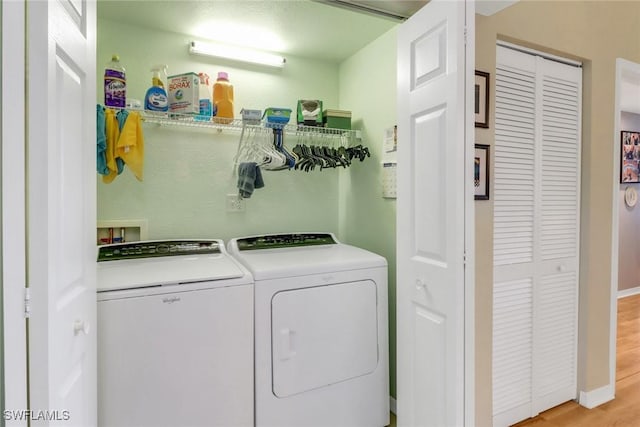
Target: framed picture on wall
{"type": "Point", "coordinates": [481, 105]}
{"type": "Point", "coordinates": [630, 153]}
{"type": "Point", "coordinates": [481, 172]}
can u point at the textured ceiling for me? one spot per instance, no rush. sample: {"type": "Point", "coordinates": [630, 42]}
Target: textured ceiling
{"type": "Point", "coordinates": [294, 27]}
{"type": "Point", "coordinates": [307, 28]}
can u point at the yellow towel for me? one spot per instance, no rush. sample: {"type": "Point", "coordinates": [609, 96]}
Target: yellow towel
{"type": "Point", "coordinates": [112, 131]}
{"type": "Point", "coordinates": [130, 145]}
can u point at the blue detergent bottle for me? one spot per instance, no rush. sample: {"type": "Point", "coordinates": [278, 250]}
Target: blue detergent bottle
{"type": "Point", "coordinates": [156, 99]}
{"type": "Point", "coordinates": [206, 105]}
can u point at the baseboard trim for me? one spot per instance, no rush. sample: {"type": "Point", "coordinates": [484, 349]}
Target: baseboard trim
{"type": "Point", "coordinates": [629, 292]}
{"type": "Point", "coordinates": [593, 398]}
{"type": "Point", "coordinates": [392, 404]}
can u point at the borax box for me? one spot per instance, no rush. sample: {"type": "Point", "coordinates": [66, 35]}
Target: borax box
{"type": "Point", "coordinates": [184, 92]}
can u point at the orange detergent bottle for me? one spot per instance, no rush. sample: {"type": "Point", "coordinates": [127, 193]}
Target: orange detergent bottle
{"type": "Point", "coordinates": [223, 99]}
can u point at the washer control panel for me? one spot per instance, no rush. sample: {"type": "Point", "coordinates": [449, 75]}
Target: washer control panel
{"type": "Point", "coordinates": [277, 241]}
{"type": "Point", "coordinates": [158, 248]}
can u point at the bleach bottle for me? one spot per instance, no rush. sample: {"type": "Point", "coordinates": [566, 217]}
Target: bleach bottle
{"type": "Point", "coordinates": [156, 100]}
{"type": "Point", "coordinates": [223, 99]}
{"type": "Point", "coordinates": [206, 105]}
{"type": "Point", "coordinates": [115, 84]}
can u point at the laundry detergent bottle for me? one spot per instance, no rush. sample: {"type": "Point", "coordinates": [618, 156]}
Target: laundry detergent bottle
{"type": "Point", "coordinates": [115, 84]}
{"type": "Point", "coordinates": [206, 103]}
{"type": "Point", "coordinates": [156, 99]}
{"type": "Point", "coordinates": [223, 99]}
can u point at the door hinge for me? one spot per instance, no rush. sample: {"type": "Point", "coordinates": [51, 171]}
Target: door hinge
{"type": "Point", "coordinates": [464, 259]}
{"type": "Point", "coordinates": [27, 303]}
{"type": "Point", "coordinates": [465, 35]}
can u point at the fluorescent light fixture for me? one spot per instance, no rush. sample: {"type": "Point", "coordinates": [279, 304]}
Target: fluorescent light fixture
{"type": "Point", "coordinates": [236, 54]}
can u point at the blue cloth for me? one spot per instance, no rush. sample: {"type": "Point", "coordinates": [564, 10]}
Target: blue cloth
{"type": "Point", "coordinates": [101, 139]}
{"type": "Point", "coordinates": [122, 118]}
{"type": "Point", "coordinates": [249, 178]}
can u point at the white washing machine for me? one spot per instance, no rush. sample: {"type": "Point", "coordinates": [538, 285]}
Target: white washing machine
{"type": "Point", "coordinates": [321, 331]}
{"type": "Point", "coordinates": [175, 335]}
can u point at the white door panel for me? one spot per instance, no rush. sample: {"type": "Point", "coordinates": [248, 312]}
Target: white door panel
{"type": "Point", "coordinates": [434, 145]}
{"type": "Point", "coordinates": [61, 213]}
{"type": "Point", "coordinates": [429, 215]}
{"type": "Point", "coordinates": [429, 376]}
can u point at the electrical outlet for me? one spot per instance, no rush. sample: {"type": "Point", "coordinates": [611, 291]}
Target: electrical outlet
{"type": "Point", "coordinates": [235, 203]}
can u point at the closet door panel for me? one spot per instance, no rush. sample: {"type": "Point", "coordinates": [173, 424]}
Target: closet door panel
{"type": "Point", "coordinates": [536, 234]}
{"type": "Point", "coordinates": [555, 341]}
{"type": "Point", "coordinates": [512, 349]}
{"type": "Point", "coordinates": [556, 311]}
{"type": "Point", "coordinates": [514, 167]}
{"type": "Point", "coordinates": [514, 232]}
{"type": "Point", "coordinates": [560, 174]}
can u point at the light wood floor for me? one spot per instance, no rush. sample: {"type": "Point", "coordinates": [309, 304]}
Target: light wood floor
{"type": "Point", "coordinates": [624, 410]}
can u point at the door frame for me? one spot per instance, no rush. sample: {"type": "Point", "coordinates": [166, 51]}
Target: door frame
{"type": "Point", "coordinates": [13, 220]}
{"type": "Point", "coordinates": [625, 71]}
{"type": "Point", "coordinates": [470, 230]}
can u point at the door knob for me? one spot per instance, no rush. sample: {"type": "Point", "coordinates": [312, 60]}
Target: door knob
{"type": "Point", "coordinates": [562, 268]}
{"type": "Point", "coordinates": [421, 284]}
{"type": "Point", "coordinates": [81, 326]}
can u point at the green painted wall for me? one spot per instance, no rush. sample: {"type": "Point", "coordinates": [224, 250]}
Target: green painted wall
{"type": "Point", "coordinates": [368, 88]}
{"type": "Point", "coordinates": [188, 172]}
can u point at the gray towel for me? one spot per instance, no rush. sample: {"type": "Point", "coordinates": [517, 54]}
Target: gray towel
{"type": "Point", "coordinates": [249, 178]}
{"type": "Point", "coordinates": [259, 183]}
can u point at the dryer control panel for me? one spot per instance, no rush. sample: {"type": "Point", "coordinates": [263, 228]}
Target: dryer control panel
{"type": "Point", "coordinates": [277, 241]}
{"type": "Point", "coordinates": [157, 248]}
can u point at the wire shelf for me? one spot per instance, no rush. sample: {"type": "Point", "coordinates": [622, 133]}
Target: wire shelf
{"type": "Point", "coordinates": [237, 125]}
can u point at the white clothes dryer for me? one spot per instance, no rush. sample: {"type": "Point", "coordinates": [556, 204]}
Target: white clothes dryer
{"type": "Point", "coordinates": [175, 335]}
{"type": "Point", "coordinates": [321, 331]}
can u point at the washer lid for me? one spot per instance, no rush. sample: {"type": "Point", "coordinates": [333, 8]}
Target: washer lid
{"type": "Point", "coordinates": [158, 248]}
{"type": "Point", "coordinates": [198, 262]}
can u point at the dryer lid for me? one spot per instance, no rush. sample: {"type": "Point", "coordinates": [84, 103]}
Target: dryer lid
{"type": "Point", "coordinates": [301, 261]}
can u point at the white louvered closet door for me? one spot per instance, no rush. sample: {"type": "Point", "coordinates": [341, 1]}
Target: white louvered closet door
{"type": "Point", "coordinates": [536, 234]}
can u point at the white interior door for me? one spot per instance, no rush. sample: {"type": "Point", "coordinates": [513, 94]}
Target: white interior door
{"type": "Point", "coordinates": [61, 210]}
{"type": "Point", "coordinates": [435, 214]}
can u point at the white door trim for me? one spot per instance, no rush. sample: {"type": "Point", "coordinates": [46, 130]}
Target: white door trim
{"type": "Point", "coordinates": [470, 231]}
{"type": "Point", "coordinates": [535, 52]}
{"type": "Point", "coordinates": [13, 209]}
{"type": "Point", "coordinates": [625, 71]}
